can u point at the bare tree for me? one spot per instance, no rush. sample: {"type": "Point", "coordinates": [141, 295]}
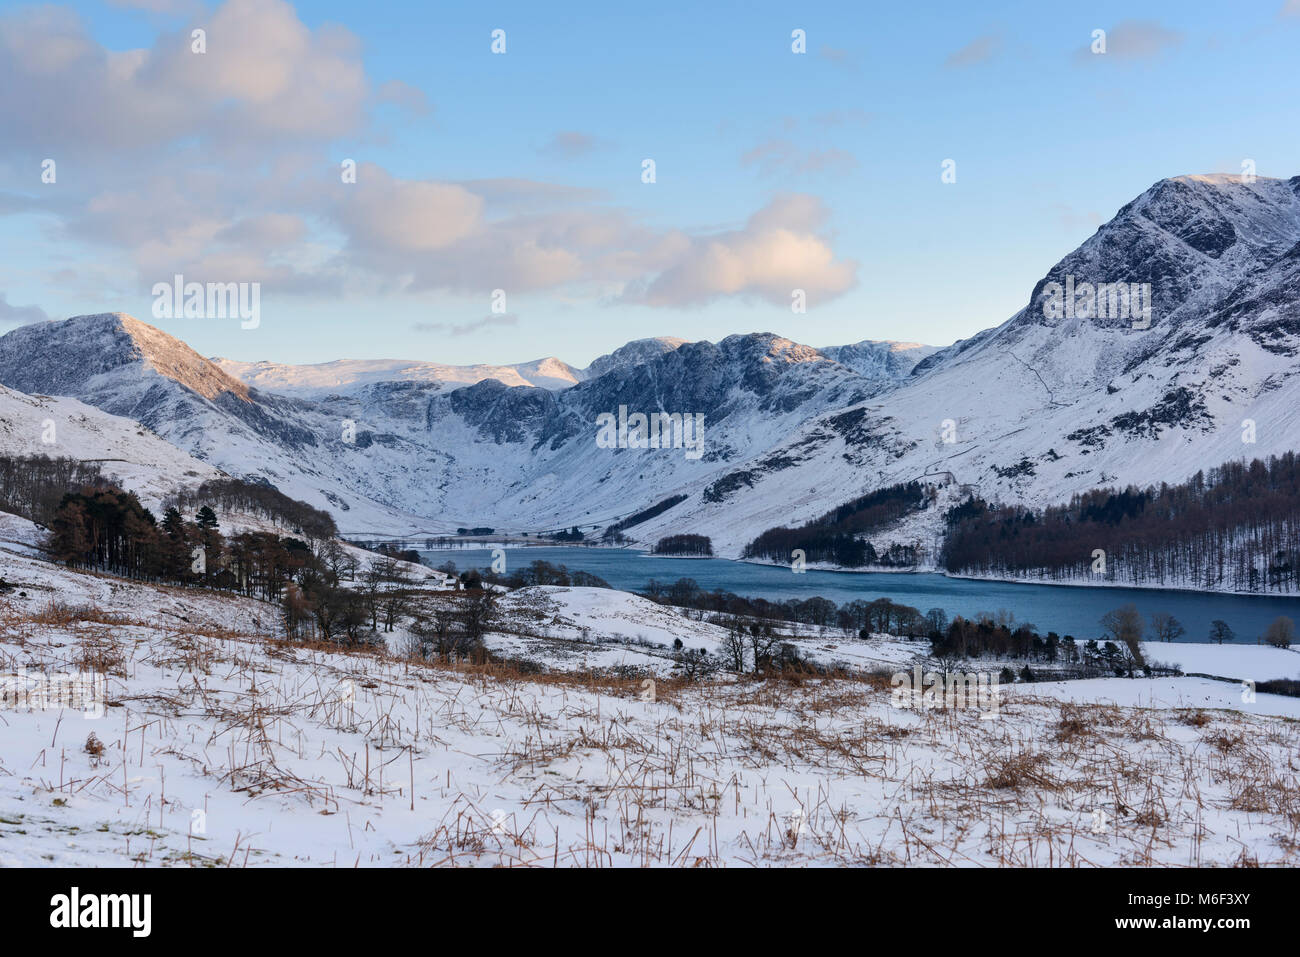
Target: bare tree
{"type": "Point", "coordinates": [1280, 632]}
{"type": "Point", "coordinates": [695, 663]}
{"type": "Point", "coordinates": [762, 642]}
{"type": "Point", "coordinates": [1124, 624]}
{"type": "Point", "coordinates": [1166, 627]}
{"type": "Point", "coordinates": [733, 645]}
{"type": "Point", "coordinates": [442, 632]}
{"type": "Point", "coordinates": [394, 600]}
{"type": "Point", "coordinates": [478, 611]}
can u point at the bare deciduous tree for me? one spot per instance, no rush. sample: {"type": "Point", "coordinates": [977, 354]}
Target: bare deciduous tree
{"type": "Point", "coordinates": [1280, 632]}
{"type": "Point", "coordinates": [1166, 627]}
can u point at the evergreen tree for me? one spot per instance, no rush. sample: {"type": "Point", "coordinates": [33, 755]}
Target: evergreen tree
{"type": "Point", "coordinates": [1220, 632]}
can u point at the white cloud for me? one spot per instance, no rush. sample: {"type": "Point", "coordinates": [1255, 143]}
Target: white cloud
{"type": "Point", "coordinates": [389, 215]}
{"type": "Point", "coordinates": [775, 253]}
{"type": "Point", "coordinates": [225, 166]}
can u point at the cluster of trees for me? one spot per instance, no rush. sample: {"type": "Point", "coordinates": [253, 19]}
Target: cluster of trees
{"type": "Point", "coordinates": [572, 535]}
{"type": "Point", "coordinates": [854, 617]}
{"type": "Point", "coordinates": [753, 646]}
{"type": "Point", "coordinates": [544, 573]}
{"type": "Point", "coordinates": [1236, 526]}
{"type": "Point", "coordinates": [990, 636]}
{"type": "Point", "coordinates": [397, 551]}
{"type": "Point", "coordinates": [836, 537]}
{"type": "Point", "coordinates": [1280, 633]}
{"type": "Point", "coordinates": [614, 533]}
{"type": "Point", "coordinates": [700, 545]}
{"type": "Point", "coordinates": [323, 591]}
{"type": "Point", "coordinates": [454, 628]}
{"type": "Point", "coordinates": [1117, 652]}
{"type": "Point", "coordinates": [107, 529]}
{"type": "Point", "coordinates": [33, 485]}
{"type": "Point", "coordinates": [257, 498]}
{"type": "Point", "coordinates": [332, 598]}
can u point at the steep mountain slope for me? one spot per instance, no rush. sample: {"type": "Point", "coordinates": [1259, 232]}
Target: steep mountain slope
{"type": "Point", "coordinates": [127, 368]}
{"type": "Point", "coordinates": [636, 352]}
{"type": "Point", "coordinates": [878, 359]}
{"type": "Point", "coordinates": [139, 460]}
{"type": "Point", "coordinates": [1040, 408]}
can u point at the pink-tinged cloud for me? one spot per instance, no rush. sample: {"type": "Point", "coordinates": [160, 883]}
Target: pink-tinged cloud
{"type": "Point", "coordinates": [264, 75]}
{"type": "Point", "coordinates": [224, 166]}
{"type": "Point", "coordinates": [775, 253]}
{"type": "Point", "coordinates": [390, 215]}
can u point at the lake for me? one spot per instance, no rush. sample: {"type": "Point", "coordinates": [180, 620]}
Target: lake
{"type": "Point", "coordinates": [1060, 608]}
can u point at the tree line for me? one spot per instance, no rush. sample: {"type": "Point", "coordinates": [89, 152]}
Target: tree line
{"type": "Point", "coordinates": [257, 498]}
{"type": "Point", "coordinates": [1233, 527]}
{"type": "Point", "coordinates": [697, 545]}
{"type": "Point", "coordinates": [614, 533]}
{"type": "Point", "coordinates": [836, 536]}
{"type": "Point", "coordinates": [858, 617]}
{"type": "Point", "coordinates": [32, 486]}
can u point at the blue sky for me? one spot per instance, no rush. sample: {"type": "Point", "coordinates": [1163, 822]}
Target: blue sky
{"type": "Point", "coordinates": [522, 171]}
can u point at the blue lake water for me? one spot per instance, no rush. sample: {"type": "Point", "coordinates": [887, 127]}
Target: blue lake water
{"type": "Point", "coordinates": [1060, 608]}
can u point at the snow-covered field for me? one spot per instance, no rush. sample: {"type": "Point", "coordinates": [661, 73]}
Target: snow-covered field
{"type": "Point", "coordinates": [1242, 662]}
{"type": "Point", "coordinates": [219, 745]}
{"type": "Point", "coordinates": [600, 628]}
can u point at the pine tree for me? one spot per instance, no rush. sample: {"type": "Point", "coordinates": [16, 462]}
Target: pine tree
{"type": "Point", "coordinates": [173, 524]}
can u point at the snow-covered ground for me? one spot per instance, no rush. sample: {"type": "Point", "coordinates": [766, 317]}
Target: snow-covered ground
{"type": "Point", "coordinates": [601, 628]}
{"type": "Point", "coordinates": [20, 536]}
{"type": "Point", "coordinates": [1240, 662]}
{"type": "Point", "coordinates": [221, 745]}
{"type": "Point", "coordinates": [139, 459]}
{"type": "Point", "coordinates": [1163, 694]}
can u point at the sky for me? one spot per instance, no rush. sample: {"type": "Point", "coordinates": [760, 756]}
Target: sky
{"type": "Point", "coordinates": [500, 210]}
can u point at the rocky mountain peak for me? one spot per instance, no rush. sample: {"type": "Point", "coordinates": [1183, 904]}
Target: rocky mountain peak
{"type": "Point", "coordinates": [73, 351]}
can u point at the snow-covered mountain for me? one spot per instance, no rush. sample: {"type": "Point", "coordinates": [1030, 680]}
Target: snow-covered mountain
{"type": "Point", "coordinates": [127, 368]}
{"type": "Point", "coordinates": [61, 427]}
{"type": "Point", "coordinates": [1041, 408]}
{"type": "Point", "coordinates": [346, 375]}
{"type": "Point", "coordinates": [349, 375]}
{"type": "Point", "coordinates": [636, 352]}
{"type": "Point", "coordinates": [1034, 410]}
{"type": "Point", "coordinates": [880, 359]}
{"type": "Point", "coordinates": [412, 454]}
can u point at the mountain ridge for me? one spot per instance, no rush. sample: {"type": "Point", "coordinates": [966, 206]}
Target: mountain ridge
{"type": "Point", "coordinates": [1030, 411]}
